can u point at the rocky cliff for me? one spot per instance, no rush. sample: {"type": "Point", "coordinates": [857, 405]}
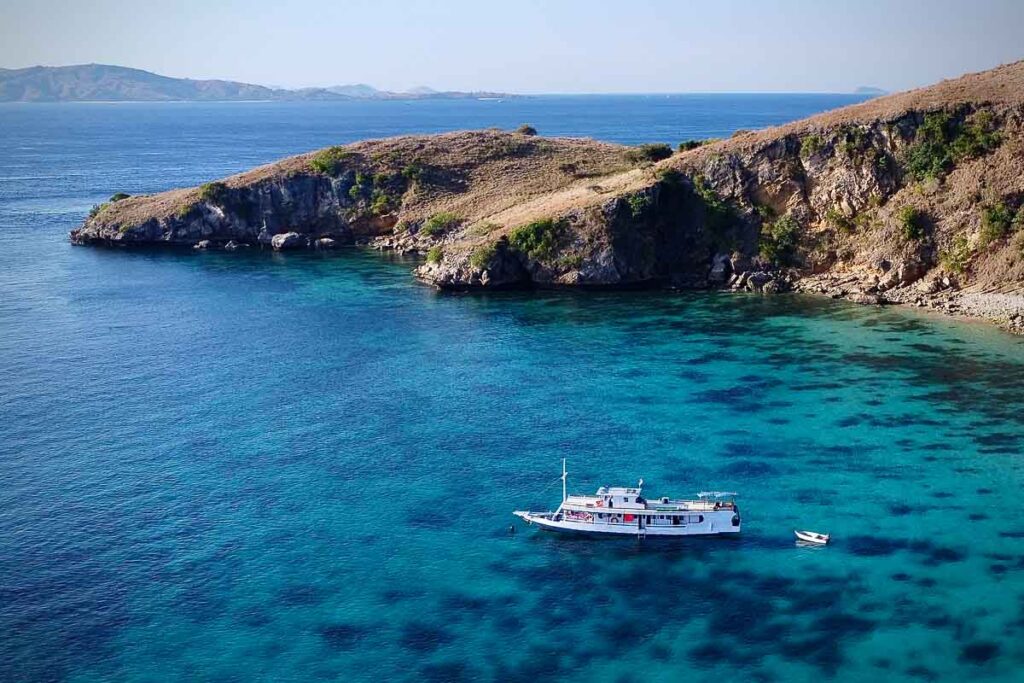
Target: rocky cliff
{"type": "Point", "coordinates": [417, 191]}
{"type": "Point", "coordinates": [911, 198]}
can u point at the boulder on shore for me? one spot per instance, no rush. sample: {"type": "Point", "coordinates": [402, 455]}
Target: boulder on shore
{"type": "Point", "coordinates": [289, 240]}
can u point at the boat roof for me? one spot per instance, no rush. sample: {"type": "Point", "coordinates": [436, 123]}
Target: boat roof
{"type": "Point", "coordinates": [618, 491]}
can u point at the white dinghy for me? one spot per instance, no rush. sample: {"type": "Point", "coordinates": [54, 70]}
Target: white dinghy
{"type": "Point", "coordinates": [812, 537]}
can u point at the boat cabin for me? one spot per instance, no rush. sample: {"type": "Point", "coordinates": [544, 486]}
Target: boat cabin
{"type": "Point", "coordinates": [625, 505]}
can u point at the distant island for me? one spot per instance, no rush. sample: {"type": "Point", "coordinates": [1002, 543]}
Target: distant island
{"type": "Point", "coordinates": [106, 83]}
{"type": "Point", "coordinates": [870, 90]}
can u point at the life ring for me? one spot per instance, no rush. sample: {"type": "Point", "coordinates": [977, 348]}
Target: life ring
{"type": "Point", "coordinates": [614, 519]}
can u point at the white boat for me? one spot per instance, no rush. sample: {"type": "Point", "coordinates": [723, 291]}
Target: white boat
{"type": "Point", "coordinates": [812, 537]}
{"type": "Point", "coordinates": [622, 511]}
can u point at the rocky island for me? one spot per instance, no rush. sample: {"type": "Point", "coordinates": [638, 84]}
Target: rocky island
{"type": "Point", "coordinates": [913, 198]}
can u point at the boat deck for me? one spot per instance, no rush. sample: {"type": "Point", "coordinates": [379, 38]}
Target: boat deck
{"type": "Point", "coordinates": [649, 506]}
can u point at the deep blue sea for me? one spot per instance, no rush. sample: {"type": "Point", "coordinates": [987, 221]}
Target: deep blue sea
{"type": "Point", "coordinates": [266, 467]}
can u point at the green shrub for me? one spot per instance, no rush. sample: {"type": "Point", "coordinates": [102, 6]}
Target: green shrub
{"type": "Point", "coordinates": [996, 220]}
{"type": "Point", "coordinates": [414, 171]}
{"type": "Point", "coordinates": [718, 213]}
{"type": "Point", "coordinates": [572, 261]}
{"type": "Point", "coordinates": [855, 143]}
{"type": "Point", "coordinates": [650, 152]}
{"type": "Point", "coordinates": [439, 223]}
{"type": "Point", "coordinates": [638, 203]}
{"type": "Point", "coordinates": [779, 241]}
{"type": "Point", "coordinates": [864, 221]}
{"type": "Point", "coordinates": [810, 145]}
{"type": "Point", "coordinates": [435, 254]}
{"type": "Point", "coordinates": [482, 256]}
{"type": "Point", "coordinates": [361, 187]}
{"type": "Point", "coordinates": [838, 220]}
{"type": "Point", "coordinates": [942, 141]}
{"type": "Point", "coordinates": [215, 193]}
{"type": "Point", "coordinates": [764, 212]}
{"type": "Point", "coordinates": [1017, 225]}
{"type": "Point", "coordinates": [118, 197]}
{"type": "Point", "coordinates": [526, 129]}
{"type": "Point", "coordinates": [884, 163]}
{"type": "Point", "coordinates": [930, 156]}
{"type": "Point", "coordinates": [381, 202]}
{"type": "Point", "coordinates": [977, 137]}
{"type": "Point", "coordinates": [911, 221]}
{"type": "Point", "coordinates": [957, 257]}
{"type": "Point", "coordinates": [330, 161]}
{"type": "Point", "coordinates": [380, 179]}
{"type": "Point", "coordinates": [97, 209]}
{"type": "Point", "coordinates": [687, 145]}
{"type": "Point", "coordinates": [537, 240]}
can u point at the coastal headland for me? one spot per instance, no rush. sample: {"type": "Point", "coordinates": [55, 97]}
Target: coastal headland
{"type": "Point", "coordinates": [914, 198]}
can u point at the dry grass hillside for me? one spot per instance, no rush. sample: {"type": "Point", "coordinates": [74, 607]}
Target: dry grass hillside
{"type": "Point", "coordinates": [475, 173]}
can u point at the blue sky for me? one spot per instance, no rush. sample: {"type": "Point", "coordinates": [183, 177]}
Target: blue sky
{"type": "Point", "coordinates": [529, 45]}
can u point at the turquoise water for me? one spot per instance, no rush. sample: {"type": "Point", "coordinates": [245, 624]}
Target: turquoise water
{"type": "Point", "coordinates": [296, 467]}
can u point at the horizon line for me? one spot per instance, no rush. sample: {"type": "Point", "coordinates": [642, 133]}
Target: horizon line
{"type": "Point", "coordinates": [877, 90]}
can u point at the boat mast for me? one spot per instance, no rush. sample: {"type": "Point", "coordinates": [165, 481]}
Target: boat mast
{"type": "Point", "coordinates": [563, 480]}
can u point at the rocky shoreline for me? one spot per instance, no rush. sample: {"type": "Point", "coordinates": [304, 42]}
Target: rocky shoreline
{"type": "Point", "coordinates": [1004, 310]}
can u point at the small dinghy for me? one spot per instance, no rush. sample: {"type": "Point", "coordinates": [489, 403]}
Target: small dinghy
{"type": "Point", "coordinates": [812, 537]}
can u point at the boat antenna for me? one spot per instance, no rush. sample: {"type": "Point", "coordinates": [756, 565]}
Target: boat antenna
{"type": "Point", "coordinates": [564, 475]}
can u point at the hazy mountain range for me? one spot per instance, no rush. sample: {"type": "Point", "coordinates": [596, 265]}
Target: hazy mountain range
{"type": "Point", "coordinates": [105, 83]}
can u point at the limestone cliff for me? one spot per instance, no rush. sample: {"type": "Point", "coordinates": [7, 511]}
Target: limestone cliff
{"type": "Point", "coordinates": [914, 198]}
